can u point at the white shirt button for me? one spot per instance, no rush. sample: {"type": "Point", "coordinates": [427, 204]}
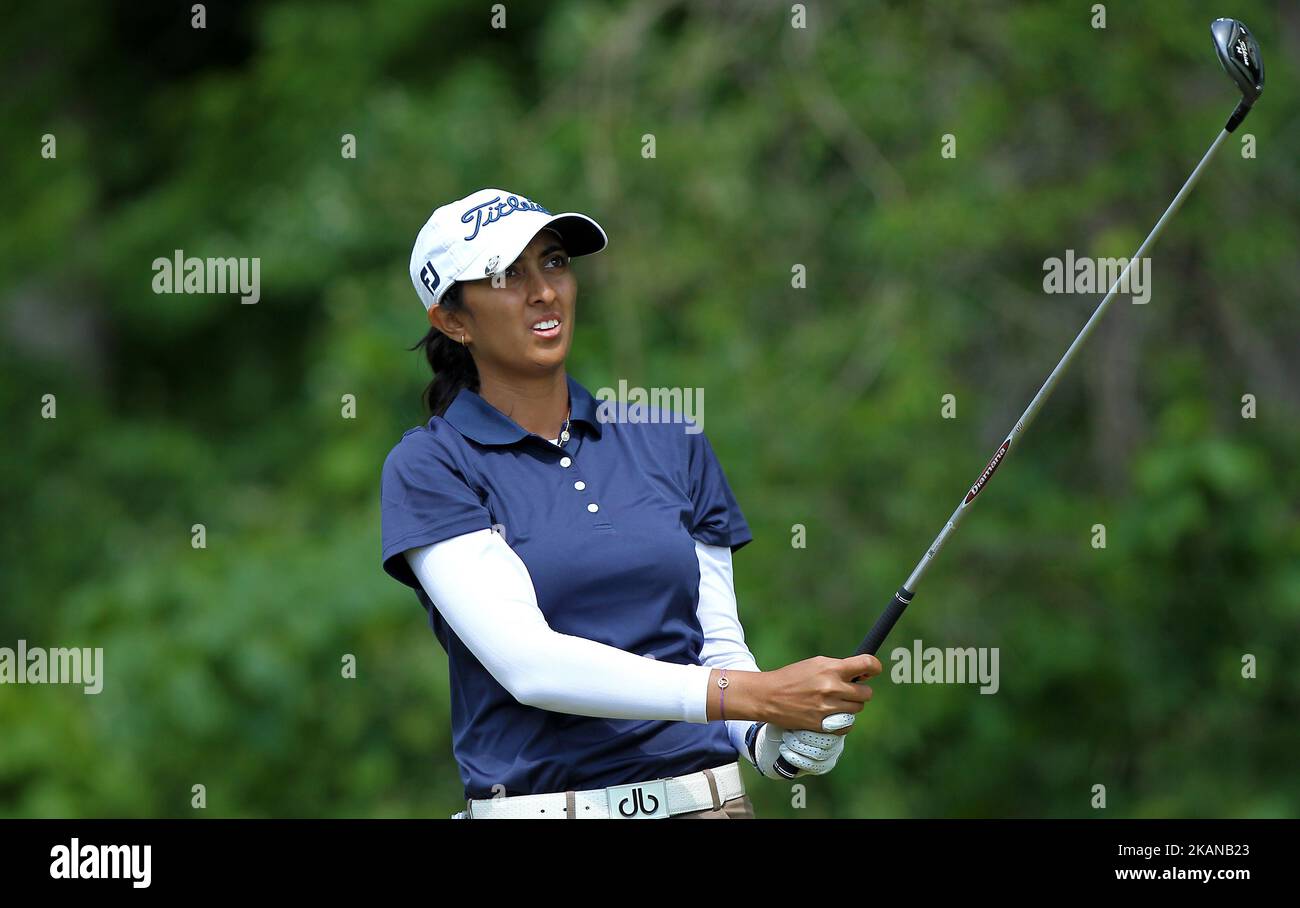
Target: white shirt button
{"type": "Point", "coordinates": [579, 485]}
{"type": "Point", "coordinates": [564, 461]}
{"type": "Point", "coordinates": [593, 507]}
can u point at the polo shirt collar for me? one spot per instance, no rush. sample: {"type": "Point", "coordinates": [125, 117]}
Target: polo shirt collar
{"type": "Point", "coordinates": [479, 421]}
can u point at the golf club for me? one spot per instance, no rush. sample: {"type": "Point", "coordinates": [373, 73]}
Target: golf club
{"type": "Point", "coordinates": [1239, 54]}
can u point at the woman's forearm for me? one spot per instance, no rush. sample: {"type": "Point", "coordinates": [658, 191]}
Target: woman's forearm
{"type": "Point", "coordinates": [745, 696]}
{"type": "Point", "coordinates": [483, 591]}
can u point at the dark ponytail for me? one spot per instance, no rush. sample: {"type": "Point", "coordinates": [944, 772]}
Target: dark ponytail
{"type": "Point", "coordinates": [453, 366]}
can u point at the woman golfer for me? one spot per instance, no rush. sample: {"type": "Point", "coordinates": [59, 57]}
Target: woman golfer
{"type": "Point", "coordinates": [574, 557]}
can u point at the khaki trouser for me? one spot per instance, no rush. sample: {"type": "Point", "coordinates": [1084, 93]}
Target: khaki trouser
{"type": "Point", "coordinates": [736, 809]}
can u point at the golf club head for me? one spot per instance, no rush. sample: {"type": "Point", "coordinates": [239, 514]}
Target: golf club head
{"type": "Point", "coordinates": [1239, 54]}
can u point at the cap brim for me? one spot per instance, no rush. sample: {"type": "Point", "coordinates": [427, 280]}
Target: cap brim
{"type": "Point", "coordinates": [579, 233]}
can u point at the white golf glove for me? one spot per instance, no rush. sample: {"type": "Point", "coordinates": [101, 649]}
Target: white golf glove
{"type": "Point", "coordinates": [812, 753]}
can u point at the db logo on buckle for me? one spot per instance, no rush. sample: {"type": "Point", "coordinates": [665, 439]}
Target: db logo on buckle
{"type": "Point", "coordinates": [642, 801]}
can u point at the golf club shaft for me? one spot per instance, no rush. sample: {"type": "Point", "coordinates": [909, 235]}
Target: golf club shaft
{"type": "Point", "coordinates": [876, 637]}
{"type": "Point", "coordinates": [872, 642]}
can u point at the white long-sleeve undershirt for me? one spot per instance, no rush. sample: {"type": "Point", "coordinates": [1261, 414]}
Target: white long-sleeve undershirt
{"type": "Point", "coordinates": [724, 639]}
{"type": "Point", "coordinates": [484, 592]}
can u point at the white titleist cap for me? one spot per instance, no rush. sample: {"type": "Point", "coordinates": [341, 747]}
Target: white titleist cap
{"type": "Point", "coordinates": [474, 237]}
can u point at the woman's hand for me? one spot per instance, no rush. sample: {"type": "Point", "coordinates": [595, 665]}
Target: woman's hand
{"type": "Point", "coordinates": [804, 695]}
{"type": "Point", "coordinates": [811, 753]}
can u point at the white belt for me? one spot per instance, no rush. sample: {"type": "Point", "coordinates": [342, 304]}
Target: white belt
{"type": "Point", "coordinates": [659, 798]}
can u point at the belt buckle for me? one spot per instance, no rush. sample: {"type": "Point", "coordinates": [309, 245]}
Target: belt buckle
{"type": "Point", "coordinates": [638, 801]}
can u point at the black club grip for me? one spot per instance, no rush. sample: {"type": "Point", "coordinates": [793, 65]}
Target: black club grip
{"type": "Point", "coordinates": [879, 631]}
{"type": "Point", "coordinates": [885, 623]}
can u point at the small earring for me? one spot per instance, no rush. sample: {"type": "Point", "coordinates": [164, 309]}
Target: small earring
{"type": "Point", "coordinates": [462, 340]}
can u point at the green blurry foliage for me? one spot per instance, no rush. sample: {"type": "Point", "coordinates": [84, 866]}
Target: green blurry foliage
{"type": "Point", "coordinates": [1119, 666]}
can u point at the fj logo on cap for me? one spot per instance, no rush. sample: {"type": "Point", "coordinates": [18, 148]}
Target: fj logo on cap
{"type": "Point", "coordinates": [492, 265]}
{"type": "Point", "coordinates": [429, 277]}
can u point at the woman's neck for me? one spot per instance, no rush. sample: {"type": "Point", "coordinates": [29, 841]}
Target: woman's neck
{"type": "Point", "coordinates": [539, 405]}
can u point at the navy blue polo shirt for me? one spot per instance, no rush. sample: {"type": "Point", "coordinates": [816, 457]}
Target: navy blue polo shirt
{"type": "Point", "coordinates": [605, 527]}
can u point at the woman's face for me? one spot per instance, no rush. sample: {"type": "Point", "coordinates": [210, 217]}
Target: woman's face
{"type": "Point", "coordinates": [498, 321]}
